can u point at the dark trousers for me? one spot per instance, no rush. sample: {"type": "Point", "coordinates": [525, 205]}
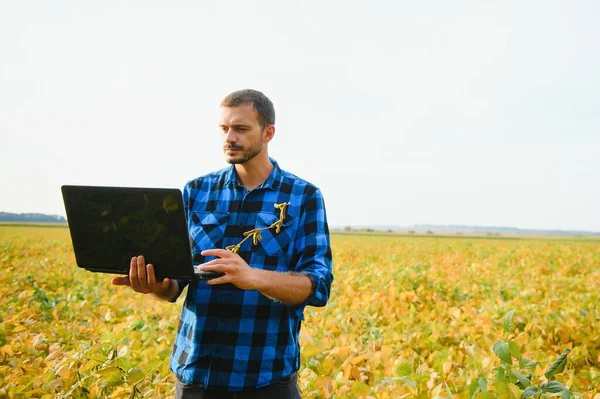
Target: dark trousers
{"type": "Point", "coordinates": [286, 388]}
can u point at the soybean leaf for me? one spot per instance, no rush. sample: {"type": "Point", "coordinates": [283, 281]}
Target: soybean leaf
{"type": "Point", "coordinates": [408, 381]}
{"type": "Point", "coordinates": [558, 366]}
{"type": "Point", "coordinates": [359, 388]}
{"type": "Point", "coordinates": [501, 374]}
{"type": "Point", "coordinates": [502, 350]}
{"type": "Point", "coordinates": [473, 389]}
{"type": "Point", "coordinates": [524, 381]}
{"type": "Point", "coordinates": [482, 382]}
{"type": "Point", "coordinates": [515, 351]}
{"type": "Point", "coordinates": [553, 387]}
{"type": "Point", "coordinates": [134, 375]}
{"type": "Point", "coordinates": [111, 377]}
{"type": "Point", "coordinates": [527, 363]}
{"type": "Point", "coordinates": [566, 394]}
{"type": "Point", "coordinates": [507, 322]}
{"type": "Point", "coordinates": [111, 374]}
{"type": "Point", "coordinates": [530, 391]}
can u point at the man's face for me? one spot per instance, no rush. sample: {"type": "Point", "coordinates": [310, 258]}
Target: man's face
{"type": "Point", "coordinates": [243, 137]}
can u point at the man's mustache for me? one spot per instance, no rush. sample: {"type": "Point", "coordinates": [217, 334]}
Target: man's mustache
{"type": "Point", "coordinates": [234, 147]}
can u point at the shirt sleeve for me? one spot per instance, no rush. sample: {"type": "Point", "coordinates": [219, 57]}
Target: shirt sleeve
{"type": "Point", "coordinates": [314, 250]}
{"type": "Point", "coordinates": [182, 284]}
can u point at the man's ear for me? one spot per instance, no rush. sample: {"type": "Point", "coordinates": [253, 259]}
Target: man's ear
{"type": "Point", "coordinates": [269, 133]}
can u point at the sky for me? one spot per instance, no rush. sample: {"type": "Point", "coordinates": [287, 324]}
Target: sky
{"type": "Point", "coordinates": [466, 112]}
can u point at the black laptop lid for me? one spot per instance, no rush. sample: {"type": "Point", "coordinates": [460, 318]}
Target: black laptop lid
{"type": "Point", "coordinates": [110, 225]}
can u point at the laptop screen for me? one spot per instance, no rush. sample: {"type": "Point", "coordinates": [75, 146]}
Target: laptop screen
{"type": "Point", "coordinates": [110, 225]}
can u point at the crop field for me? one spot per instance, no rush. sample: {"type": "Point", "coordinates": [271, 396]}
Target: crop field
{"type": "Point", "coordinates": [409, 317]}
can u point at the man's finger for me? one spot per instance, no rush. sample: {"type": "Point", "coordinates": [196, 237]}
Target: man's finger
{"type": "Point", "coordinates": [158, 287]}
{"type": "Point", "coordinates": [151, 275]}
{"type": "Point", "coordinates": [217, 261]}
{"type": "Point", "coordinates": [133, 278]}
{"type": "Point", "coordinates": [221, 253]}
{"type": "Point", "coordinates": [219, 280]}
{"type": "Point", "coordinates": [214, 267]}
{"type": "Point", "coordinates": [141, 271]}
{"type": "Point", "coordinates": [121, 281]}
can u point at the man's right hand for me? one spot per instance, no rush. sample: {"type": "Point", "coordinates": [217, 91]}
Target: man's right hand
{"type": "Point", "coordinates": [142, 279]}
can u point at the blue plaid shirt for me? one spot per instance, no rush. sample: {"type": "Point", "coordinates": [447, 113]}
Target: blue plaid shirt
{"type": "Point", "coordinates": [237, 339]}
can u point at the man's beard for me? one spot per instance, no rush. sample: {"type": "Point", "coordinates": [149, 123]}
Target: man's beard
{"type": "Point", "coordinates": [247, 154]}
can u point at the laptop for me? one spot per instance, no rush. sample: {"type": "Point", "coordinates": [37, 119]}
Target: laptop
{"type": "Point", "coordinates": [110, 225]}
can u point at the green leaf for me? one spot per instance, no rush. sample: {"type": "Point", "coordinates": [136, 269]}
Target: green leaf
{"type": "Point", "coordinates": [403, 369]}
{"type": "Point", "coordinates": [507, 323]}
{"type": "Point", "coordinates": [502, 350]}
{"type": "Point", "coordinates": [515, 351]}
{"type": "Point", "coordinates": [90, 364]}
{"type": "Point", "coordinates": [359, 388]}
{"type": "Point", "coordinates": [522, 378]}
{"type": "Point", "coordinates": [558, 366]}
{"type": "Point", "coordinates": [134, 375]}
{"type": "Point", "coordinates": [111, 377]}
{"type": "Point", "coordinates": [473, 389]}
{"type": "Point", "coordinates": [482, 382]}
{"type": "Point", "coordinates": [530, 391]}
{"type": "Point", "coordinates": [527, 363]}
{"type": "Point", "coordinates": [566, 394]}
{"type": "Point", "coordinates": [111, 374]}
{"type": "Point", "coordinates": [501, 376]}
{"type": "Point", "coordinates": [554, 387]}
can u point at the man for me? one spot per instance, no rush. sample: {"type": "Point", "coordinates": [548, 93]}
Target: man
{"type": "Point", "coordinates": [238, 335]}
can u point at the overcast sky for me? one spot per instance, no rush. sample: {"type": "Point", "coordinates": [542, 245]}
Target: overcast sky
{"type": "Point", "coordinates": [402, 112]}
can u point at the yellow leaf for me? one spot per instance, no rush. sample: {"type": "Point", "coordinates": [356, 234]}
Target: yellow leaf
{"type": "Point", "coordinates": [7, 349]}
{"type": "Point", "coordinates": [343, 352]}
{"type": "Point", "coordinates": [447, 367]}
{"type": "Point", "coordinates": [89, 365]}
{"type": "Point", "coordinates": [19, 328]}
{"type": "Point", "coordinates": [515, 392]}
{"type": "Point", "coordinates": [325, 386]}
{"type": "Point", "coordinates": [359, 389]}
{"type": "Point", "coordinates": [310, 350]}
{"type": "Point", "coordinates": [358, 359]}
{"type": "Point", "coordinates": [94, 391]}
{"type": "Point", "coordinates": [355, 372]}
{"type": "Point", "coordinates": [347, 369]}
{"type": "Point", "coordinates": [554, 304]}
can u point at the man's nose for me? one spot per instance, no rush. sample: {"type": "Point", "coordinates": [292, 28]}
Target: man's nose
{"type": "Point", "coordinates": [230, 136]}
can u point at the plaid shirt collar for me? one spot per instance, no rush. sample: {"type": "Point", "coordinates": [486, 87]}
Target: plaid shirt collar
{"type": "Point", "coordinates": [273, 181]}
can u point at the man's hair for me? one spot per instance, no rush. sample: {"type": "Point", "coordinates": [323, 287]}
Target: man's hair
{"type": "Point", "coordinates": [261, 104]}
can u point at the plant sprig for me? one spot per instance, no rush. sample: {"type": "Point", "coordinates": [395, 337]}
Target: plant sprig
{"type": "Point", "coordinates": [255, 233]}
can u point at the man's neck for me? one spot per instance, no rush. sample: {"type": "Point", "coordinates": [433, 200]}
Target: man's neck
{"type": "Point", "coordinates": [254, 172]}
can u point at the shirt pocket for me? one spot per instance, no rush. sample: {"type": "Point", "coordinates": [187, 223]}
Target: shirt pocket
{"type": "Point", "coordinates": [273, 243]}
{"type": "Point", "coordinates": [207, 230]}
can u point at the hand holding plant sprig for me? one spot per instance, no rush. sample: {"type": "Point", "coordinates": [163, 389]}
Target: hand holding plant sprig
{"type": "Point", "coordinates": [234, 269]}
